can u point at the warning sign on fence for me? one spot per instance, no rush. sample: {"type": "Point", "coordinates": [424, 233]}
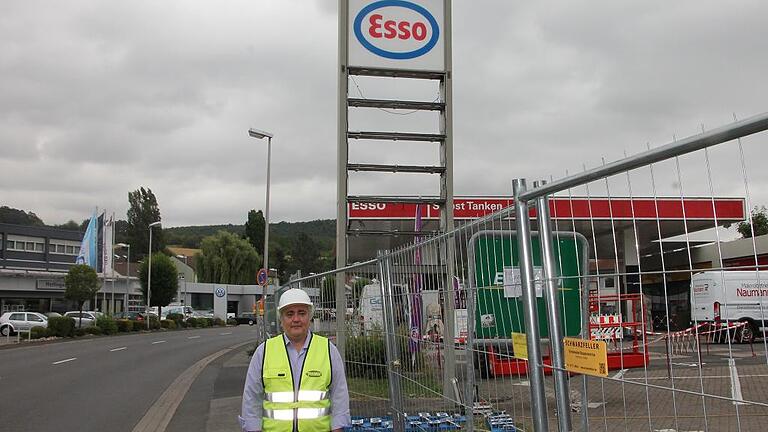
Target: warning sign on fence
{"type": "Point", "coordinates": [519, 346]}
{"type": "Point", "coordinates": [586, 356]}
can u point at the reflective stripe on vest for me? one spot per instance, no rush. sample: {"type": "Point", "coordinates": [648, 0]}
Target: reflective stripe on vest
{"type": "Point", "coordinates": [303, 395]}
{"type": "Point", "coordinates": [301, 413]}
{"type": "Point", "coordinates": [309, 407]}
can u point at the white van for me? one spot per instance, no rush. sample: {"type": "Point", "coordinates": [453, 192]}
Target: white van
{"type": "Point", "coordinates": [371, 308]}
{"type": "Point", "coordinates": [730, 296]}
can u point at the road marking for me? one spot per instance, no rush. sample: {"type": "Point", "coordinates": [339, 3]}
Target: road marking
{"type": "Point", "coordinates": [118, 349]}
{"type": "Point", "coordinates": [160, 414]}
{"type": "Point", "coordinates": [619, 374]}
{"type": "Point", "coordinates": [157, 342]}
{"type": "Point", "coordinates": [224, 334]}
{"type": "Point", "coordinates": [64, 361]}
{"type": "Point", "coordinates": [193, 337]}
{"type": "Point", "coordinates": [738, 399]}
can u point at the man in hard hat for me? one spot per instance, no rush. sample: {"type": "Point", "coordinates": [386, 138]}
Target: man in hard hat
{"type": "Point", "coordinates": [296, 380]}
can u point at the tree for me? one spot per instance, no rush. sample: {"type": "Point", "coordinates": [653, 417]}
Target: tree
{"type": "Point", "coordinates": [165, 280]}
{"type": "Point", "coordinates": [227, 258]}
{"type": "Point", "coordinates": [143, 211]}
{"type": "Point", "coordinates": [254, 229]}
{"type": "Point", "coordinates": [81, 283]}
{"type": "Point", "coordinates": [759, 221]}
{"type": "Point", "coordinates": [305, 253]}
{"type": "Point", "coordinates": [19, 217]}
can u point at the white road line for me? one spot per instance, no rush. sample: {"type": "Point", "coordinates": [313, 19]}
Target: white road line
{"type": "Point", "coordinates": [193, 337]}
{"type": "Point", "coordinates": [64, 361]}
{"type": "Point", "coordinates": [118, 349]}
{"type": "Point", "coordinates": [157, 342]}
{"type": "Point", "coordinates": [619, 374]}
{"type": "Point", "coordinates": [224, 334]}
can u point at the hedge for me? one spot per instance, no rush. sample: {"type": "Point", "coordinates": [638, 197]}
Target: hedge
{"type": "Point", "coordinates": [124, 325]}
{"type": "Point", "coordinates": [39, 332]}
{"type": "Point", "coordinates": [61, 326]}
{"type": "Point", "coordinates": [106, 324]}
{"type": "Point", "coordinates": [168, 324]}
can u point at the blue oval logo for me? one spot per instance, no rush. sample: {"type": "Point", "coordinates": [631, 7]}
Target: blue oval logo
{"type": "Point", "coordinates": [380, 28]}
{"type": "Point", "coordinates": [220, 292]}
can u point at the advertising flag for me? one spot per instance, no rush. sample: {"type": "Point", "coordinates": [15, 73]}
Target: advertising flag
{"type": "Point", "coordinates": [415, 339]}
{"type": "Point", "coordinates": [88, 254]}
{"type": "Point", "coordinates": [107, 249]}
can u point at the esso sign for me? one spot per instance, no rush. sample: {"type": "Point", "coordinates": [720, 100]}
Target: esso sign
{"type": "Point", "coordinates": [396, 29]}
{"type": "Point", "coordinates": [369, 206]}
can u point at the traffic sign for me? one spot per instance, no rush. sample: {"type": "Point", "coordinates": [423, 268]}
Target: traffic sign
{"type": "Point", "coordinates": [261, 277]}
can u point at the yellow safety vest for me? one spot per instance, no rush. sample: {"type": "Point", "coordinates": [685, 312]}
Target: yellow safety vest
{"type": "Point", "coordinates": [308, 410]}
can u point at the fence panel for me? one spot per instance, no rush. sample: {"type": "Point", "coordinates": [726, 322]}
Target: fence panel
{"type": "Point", "coordinates": [660, 308]}
{"type": "Point", "coordinates": [674, 295]}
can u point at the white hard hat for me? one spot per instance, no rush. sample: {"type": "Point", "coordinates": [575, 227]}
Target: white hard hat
{"type": "Point", "coordinates": [294, 296]}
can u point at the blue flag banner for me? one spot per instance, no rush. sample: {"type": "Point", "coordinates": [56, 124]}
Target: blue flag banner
{"type": "Point", "coordinates": [88, 254]}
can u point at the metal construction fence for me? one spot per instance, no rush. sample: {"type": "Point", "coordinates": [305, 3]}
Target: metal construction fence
{"type": "Point", "coordinates": [617, 299]}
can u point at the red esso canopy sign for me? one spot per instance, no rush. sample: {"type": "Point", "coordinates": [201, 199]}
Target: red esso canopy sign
{"type": "Point", "coordinates": [396, 29]}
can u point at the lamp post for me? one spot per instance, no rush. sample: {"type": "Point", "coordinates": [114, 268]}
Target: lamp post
{"type": "Point", "coordinates": [259, 134]}
{"type": "Point", "coordinates": [184, 301]}
{"type": "Point", "coordinates": [127, 274]}
{"type": "Point", "coordinates": [149, 272]}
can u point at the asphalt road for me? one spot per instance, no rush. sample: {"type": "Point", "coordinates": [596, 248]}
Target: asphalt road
{"type": "Point", "coordinates": [100, 384]}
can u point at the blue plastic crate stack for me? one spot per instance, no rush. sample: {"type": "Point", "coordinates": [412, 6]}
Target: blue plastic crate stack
{"type": "Point", "coordinates": [501, 422]}
{"type": "Point", "coordinates": [421, 422]}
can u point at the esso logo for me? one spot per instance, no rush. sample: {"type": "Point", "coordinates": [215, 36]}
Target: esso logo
{"type": "Point", "coordinates": [396, 29]}
{"type": "Point", "coordinates": [369, 206]}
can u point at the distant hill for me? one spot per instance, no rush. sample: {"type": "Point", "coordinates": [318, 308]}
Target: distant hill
{"type": "Point", "coordinates": [322, 231]}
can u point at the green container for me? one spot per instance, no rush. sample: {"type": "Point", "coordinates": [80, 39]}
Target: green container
{"type": "Point", "coordinates": [499, 309]}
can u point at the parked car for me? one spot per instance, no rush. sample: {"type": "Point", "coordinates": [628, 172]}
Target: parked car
{"type": "Point", "coordinates": [135, 316]}
{"type": "Point", "coordinates": [52, 314]}
{"type": "Point", "coordinates": [201, 313]}
{"type": "Point", "coordinates": [246, 318]}
{"type": "Point", "coordinates": [11, 322]}
{"type": "Point", "coordinates": [182, 310]}
{"type": "Point", "coordinates": [88, 317]}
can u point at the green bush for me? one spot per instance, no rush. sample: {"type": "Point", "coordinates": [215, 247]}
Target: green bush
{"type": "Point", "coordinates": [218, 322]}
{"type": "Point", "coordinates": [94, 330]}
{"type": "Point", "coordinates": [154, 323]}
{"type": "Point", "coordinates": [39, 332]}
{"type": "Point", "coordinates": [177, 318]}
{"type": "Point", "coordinates": [139, 325]}
{"type": "Point", "coordinates": [366, 357]}
{"type": "Point", "coordinates": [192, 322]}
{"type": "Point", "coordinates": [61, 326]}
{"type": "Point", "coordinates": [106, 324]}
{"type": "Point", "coordinates": [124, 325]}
{"type": "Point", "coordinates": [168, 324]}
{"type": "Point", "coordinates": [232, 322]}
{"type": "Point", "coordinates": [81, 331]}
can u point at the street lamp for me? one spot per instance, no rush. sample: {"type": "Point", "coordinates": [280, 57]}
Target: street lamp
{"type": "Point", "coordinates": [184, 301]}
{"type": "Point", "coordinates": [149, 271]}
{"type": "Point", "coordinates": [127, 274]}
{"type": "Point", "coordinates": [259, 134]}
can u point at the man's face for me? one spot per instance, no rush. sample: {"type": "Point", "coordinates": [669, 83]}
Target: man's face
{"type": "Point", "coordinates": [295, 321]}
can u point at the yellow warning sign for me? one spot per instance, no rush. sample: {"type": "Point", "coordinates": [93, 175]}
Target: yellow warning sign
{"type": "Point", "coordinates": [519, 346]}
{"type": "Point", "coordinates": [586, 356]}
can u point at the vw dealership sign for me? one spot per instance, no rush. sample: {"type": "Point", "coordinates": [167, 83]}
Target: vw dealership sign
{"type": "Point", "coordinates": [396, 34]}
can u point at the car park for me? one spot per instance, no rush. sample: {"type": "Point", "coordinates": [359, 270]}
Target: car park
{"type": "Point", "coordinates": [88, 318]}
{"type": "Point", "coordinates": [12, 322]}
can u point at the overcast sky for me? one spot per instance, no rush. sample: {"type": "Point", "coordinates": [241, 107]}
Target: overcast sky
{"type": "Point", "coordinates": [98, 98]}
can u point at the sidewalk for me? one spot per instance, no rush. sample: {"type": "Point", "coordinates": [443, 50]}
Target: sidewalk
{"type": "Point", "coordinates": [212, 404]}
